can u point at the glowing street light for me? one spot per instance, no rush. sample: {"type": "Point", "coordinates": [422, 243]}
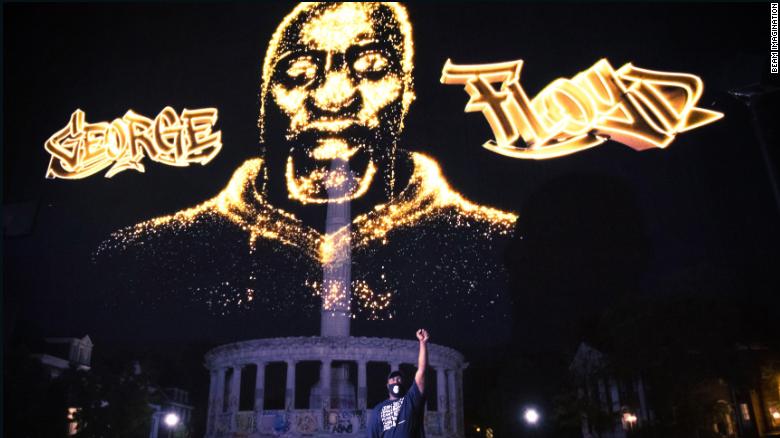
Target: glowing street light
{"type": "Point", "coordinates": [171, 419]}
{"type": "Point", "coordinates": [531, 416]}
{"type": "Point", "coordinates": [629, 420]}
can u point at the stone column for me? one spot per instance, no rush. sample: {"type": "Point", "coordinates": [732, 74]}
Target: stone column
{"type": "Point", "coordinates": [212, 403]}
{"type": "Point", "coordinates": [441, 390]}
{"type": "Point", "coordinates": [337, 272]}
{"type": "Point", "coordinates": [325, 374]}
{"type": "Point", "coordinates": [289, 393]}
{"type": "Point", "coordinates": [219, 393]}
{"type": "Point", "coordinates": [459, 397]}
{"type": "Point", "coordinates": [362, 393]}
{"type": "Point", "coordinates": [235, 395]}
{"type": "Point", "coordinates": [155, 424]}
{"type": "Point", "coordinates": [235, 389]}
{"type": "Point", "coordinates": [453, 403]}
{"type": "Point", "coordinates": [260, 387]}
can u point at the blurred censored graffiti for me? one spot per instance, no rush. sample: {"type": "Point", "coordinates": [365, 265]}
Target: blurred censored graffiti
{"type": "Point", "coordinates": [640, 108]}
{"type": "Point", "coordinates": [81, 149]}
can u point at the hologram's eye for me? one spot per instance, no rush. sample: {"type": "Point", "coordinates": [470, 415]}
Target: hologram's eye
{"type": "Point", "coordinates": [302, 70]}
{"type": "Point", "coordinates": [370, 63]}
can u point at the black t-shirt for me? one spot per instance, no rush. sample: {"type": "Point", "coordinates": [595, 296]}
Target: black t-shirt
{"type": "Point", "coordinates": [401, 418]}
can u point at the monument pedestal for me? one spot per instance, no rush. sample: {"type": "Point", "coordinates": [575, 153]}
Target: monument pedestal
{"type": "Point", "coordinates": [345, 413]}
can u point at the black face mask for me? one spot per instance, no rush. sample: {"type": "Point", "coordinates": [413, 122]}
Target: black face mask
{"type": "Point", "coordinates": [395, 390]}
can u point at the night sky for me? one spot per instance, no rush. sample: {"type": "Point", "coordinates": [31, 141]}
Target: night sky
{"type": "Point", "coordinates": [592, 225]}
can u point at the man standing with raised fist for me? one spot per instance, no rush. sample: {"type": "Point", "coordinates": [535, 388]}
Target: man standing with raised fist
{"type": "Point", "coordinates": [402, 414]}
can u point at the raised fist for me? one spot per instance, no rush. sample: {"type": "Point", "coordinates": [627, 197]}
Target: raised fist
{"type": "Point", "coordinates": [422, 335]}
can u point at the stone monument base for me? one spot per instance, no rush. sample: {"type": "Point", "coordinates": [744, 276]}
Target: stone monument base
{"type": "Point", "coordinates": [227, 363]}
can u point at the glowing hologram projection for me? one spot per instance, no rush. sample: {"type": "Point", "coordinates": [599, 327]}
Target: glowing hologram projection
{"type": "Point", "coordinates": [342, 74]}
{"type": "Point", "coordinates": [337, 85]}
{"type": "Point", "coordinates": [82, 149]}
{"type": "Point", "coordinates": [241, 203]}
{"type": "Point", "coordinates": [640, 108]}
{"type": "Point", "coordinates": [306, 188]}
{"type": "Point", "coordinates": [427, 206]}
{"type": "Point", "coordinates": [339, 26]}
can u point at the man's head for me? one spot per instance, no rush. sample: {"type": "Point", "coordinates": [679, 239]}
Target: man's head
{"type": "Point", "coordinates": [340, 75]}
{"type": "Point", "coordinates": [395, 385]}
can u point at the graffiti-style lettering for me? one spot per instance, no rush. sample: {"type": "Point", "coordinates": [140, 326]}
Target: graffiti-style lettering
{"type": "Point", "coordinates": [82, 149]}
{"type": "Point", "coordinates": [640, 108]}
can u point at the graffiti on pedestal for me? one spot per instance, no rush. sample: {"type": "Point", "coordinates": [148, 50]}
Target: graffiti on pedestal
{"type": "Point", "coordinates": [306, 422]}
{"type": "Point", "coordinates": [343, 422]}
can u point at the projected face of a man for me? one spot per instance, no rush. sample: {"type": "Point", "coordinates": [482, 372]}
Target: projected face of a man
{"type": "Point", "coordinates": [340, 81]}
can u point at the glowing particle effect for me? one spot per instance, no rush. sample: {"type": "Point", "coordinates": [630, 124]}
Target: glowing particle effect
{"type": "Point", "coordinates": [244, 204]}
{"type": "Point", "coordinates": [375, 306]}
{"type": "Point", "coordinates": [307, 188]}
{"type": "Point", "coordinates": [340, 76]}
{"type": "Point", "coordinates": [427, 197]}
{"type": "Point", "coordinates": [336, 28]}
{"type": "Point", "coordinates": [333, 294]}
{"type": "Point", "coordinates": [333, 27]}
{"type": "Point", "coordinates": [334, 67]}
{"type": "Point", "coordinates": [82, 149]}
{"type": "Point", "coordinates": [427, 194]}
{"type": "Point", "coordinates": [639, 108]}
{"type": "Point", "coordinates": [331, 149]}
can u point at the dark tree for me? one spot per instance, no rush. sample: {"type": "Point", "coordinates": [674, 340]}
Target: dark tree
{"type": "Point", "coordinates": [113, 403]}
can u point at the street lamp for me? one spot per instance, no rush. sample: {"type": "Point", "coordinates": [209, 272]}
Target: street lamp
{"type": "Point", "coordinates": [629, 420]}
{"type": "Point", "coordinates": [531, 416]}
{"type": "Point", "coordinates": [171, 420]}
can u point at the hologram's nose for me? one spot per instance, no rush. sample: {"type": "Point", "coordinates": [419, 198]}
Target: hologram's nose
{"type": "Point", "coordinates": [336, 92]}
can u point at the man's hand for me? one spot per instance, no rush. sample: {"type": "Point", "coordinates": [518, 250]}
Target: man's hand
{"type": "Point", "coordinates": [422, 335]}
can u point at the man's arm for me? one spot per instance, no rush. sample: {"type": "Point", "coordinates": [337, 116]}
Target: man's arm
{"type": "Point", "coordinates": [422, 360]}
